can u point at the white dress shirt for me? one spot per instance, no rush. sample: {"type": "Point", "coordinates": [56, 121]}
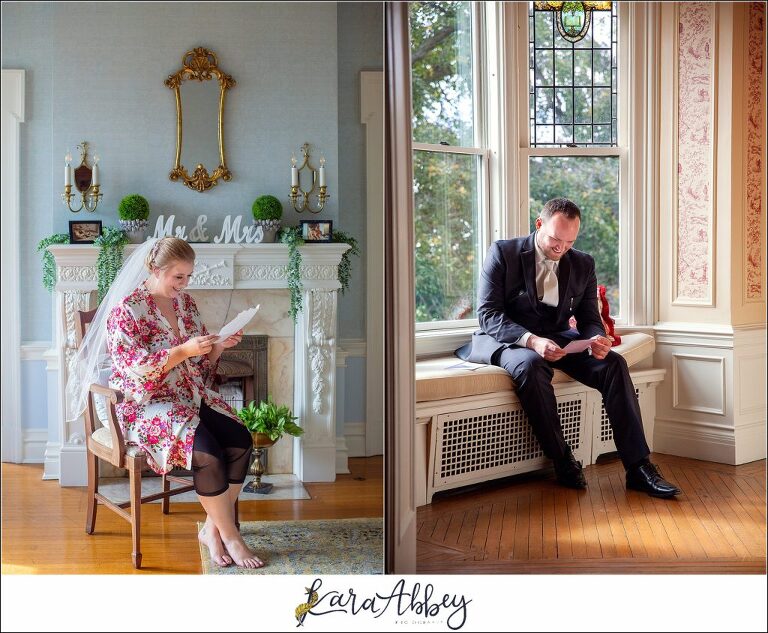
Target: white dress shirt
{"type": "Point", "coordinates": [541, 272]}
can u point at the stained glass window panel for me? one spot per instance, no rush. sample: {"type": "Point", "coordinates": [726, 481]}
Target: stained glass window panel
{"type": "Point", "coordinates": [584, 75]}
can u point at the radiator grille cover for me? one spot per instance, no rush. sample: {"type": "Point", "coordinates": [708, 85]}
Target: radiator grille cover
{"type": "Point", "coordinates": [478, 443]}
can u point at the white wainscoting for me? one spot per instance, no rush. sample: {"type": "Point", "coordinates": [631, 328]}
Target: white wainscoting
{"type": "Point", "coordinates": [354, 432]}
{"type": "Point", "coordinates": [352, 442]}
{"type": "Point", "coordinates": [34, 442]}
{"type": "Point", "coordinates": [713, 406]}
{"type": "Point", "coordinates": [35, 350]}
{"type": "Point", "coordinates": [342, 456]}
{"type": "Point", "coordinates": [698, 383]}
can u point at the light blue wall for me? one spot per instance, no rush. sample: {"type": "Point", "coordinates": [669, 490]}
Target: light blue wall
{"type": "Point", "coordinates": [34, 394]}
{"type": "Point", "coordinates": [95, 72]}
{"type": "Point", "coordinates": [361, 47]}
{"type": "Point", "coordinates": [107, 88]}
{"type": "Point", "coordinates": [27, 43]}
{"type": "Point", "coordinates": [350, 393]}
{"type": "Point", "coordinates": [355, 384]}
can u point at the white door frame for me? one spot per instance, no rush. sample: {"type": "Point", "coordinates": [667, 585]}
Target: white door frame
{"type": "Point", "coordinates": [400, 478]}
{"type": "Point", "coordinates": [372, 116]}
{"type": "Point", "coordinates": [10, 313]}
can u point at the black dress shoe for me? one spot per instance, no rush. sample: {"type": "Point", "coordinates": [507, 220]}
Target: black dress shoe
{"type": "Point", "coordinates": [569, 473]}
{"type": "Point", "coordinates": [647, 478]}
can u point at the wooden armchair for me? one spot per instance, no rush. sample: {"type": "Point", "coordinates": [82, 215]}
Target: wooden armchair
{"type": "Point", "coordinates": [107, 443]}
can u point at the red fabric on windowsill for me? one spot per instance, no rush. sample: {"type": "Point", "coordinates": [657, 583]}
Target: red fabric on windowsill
{"type": "Point", "coordinates": [605, 315]}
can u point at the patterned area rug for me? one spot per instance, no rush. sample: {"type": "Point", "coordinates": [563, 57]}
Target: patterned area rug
{"type": "Point", "coordinates": [337, 546]}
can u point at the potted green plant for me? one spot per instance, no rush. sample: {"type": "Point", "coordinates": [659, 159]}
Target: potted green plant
{"type": "Point", "coordinates": [267, 211]}
{"type": "Point", "coordinates": [133, 212]}
{"type": "Point", "coordinates": [268, 422]}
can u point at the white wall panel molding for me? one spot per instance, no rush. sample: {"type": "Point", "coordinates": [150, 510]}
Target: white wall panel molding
{"type": "Point", "coordinates": [698, 383]}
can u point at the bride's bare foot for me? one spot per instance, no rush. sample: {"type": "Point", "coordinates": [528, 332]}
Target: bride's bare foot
{"type": "Point", "coordinates": [242, 555]}
{"type": "Point", "coordinates": [210, 537]}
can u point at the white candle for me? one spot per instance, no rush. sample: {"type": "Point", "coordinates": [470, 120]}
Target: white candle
{"type": "Point", "coordinates": [322, 176]}
{"type": "Point", "coordinates": [95, 176]}
{"type": "Point", "coordinates": [294, 177]}
{"type": "Point", "coordinates": [67, 172]}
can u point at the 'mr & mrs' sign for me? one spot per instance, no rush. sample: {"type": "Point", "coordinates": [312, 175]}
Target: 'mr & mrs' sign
{"type": "Point", "coordinates": [231, 233]}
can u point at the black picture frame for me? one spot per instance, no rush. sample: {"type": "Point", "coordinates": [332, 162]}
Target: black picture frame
{"type": "Point", "coordinates": [317, 230]}
{"type": "Point", "coordinates": [84, 231]}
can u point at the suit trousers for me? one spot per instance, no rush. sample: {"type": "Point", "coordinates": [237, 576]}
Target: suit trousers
{"type": "Point", "coordinates": [610, 376]}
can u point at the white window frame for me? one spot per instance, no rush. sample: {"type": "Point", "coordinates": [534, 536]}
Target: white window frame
{"type": "Point", "coordinates": [507, 127]}
{"type": "Point", "coordinates": [438, 336]}
{"type": "Point", "coordinates": [526, 152]}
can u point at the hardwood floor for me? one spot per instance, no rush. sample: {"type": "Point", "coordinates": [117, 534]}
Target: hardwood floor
{"type": "Point", "coordinates": [43, 525]}
{"type": "Point", "coordinates": [530, 524]}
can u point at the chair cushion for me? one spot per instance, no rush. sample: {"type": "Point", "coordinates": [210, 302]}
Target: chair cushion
{"type": "Point", "coordinates": [104, 437]}
{"type": "Point", "coordinates": [450, 377]}
{"type": "Point", "coordinates": [100, 406]}
{"type": "Point", "coordinates": [100, 402]}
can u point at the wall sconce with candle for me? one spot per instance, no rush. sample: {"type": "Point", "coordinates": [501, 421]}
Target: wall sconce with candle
{"type": "Point", "coordinates": [86, 181]}
{"type": "Point", "coordinates": [317, 178]}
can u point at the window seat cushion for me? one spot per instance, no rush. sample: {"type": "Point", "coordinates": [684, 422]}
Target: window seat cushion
{"type": "Point", "coordinates": [446, 377]}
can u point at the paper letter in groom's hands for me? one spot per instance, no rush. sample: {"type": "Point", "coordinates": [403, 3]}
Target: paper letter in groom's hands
{"type": "Point", "coordinates": [579, 345]}
{"type": "Point", "coordinates": [236, 324]}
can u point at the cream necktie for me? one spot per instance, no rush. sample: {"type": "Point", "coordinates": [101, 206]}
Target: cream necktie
{"type": "Point", "coordinates": [550, 284]}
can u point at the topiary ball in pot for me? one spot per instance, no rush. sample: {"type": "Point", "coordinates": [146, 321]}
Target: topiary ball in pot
{"type": "Point", "coordinates": [267, 211]}
{"type": "Point", "coordinates": [133, 212]}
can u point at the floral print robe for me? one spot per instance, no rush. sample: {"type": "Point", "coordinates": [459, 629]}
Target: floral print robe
{"type": "Point", "coordinates": [160, 410]}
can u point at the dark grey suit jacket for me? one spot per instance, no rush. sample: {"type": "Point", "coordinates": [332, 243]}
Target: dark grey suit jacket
{"type": "Point", "coordinates": [508, 305]}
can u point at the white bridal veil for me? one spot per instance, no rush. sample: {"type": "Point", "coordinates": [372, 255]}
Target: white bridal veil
{"type": "Point", "coordinates": [92, 361]}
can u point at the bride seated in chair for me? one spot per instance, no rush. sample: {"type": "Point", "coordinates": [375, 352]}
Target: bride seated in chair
{"type": "Point", "coordinates": [163, 363]}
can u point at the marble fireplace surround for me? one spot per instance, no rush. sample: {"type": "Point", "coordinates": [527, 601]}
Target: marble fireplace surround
{"type": "Point", "coordinates": [228, 278]}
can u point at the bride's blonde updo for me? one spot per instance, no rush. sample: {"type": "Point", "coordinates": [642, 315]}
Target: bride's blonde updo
{"type": "Point", "coordinates": [167, 251]}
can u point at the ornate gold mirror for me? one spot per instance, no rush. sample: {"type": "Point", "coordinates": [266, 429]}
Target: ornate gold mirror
{"type": "Point", "coordinates": [201, 128]}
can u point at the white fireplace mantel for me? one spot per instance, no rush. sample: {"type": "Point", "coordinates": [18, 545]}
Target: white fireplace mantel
{"type": "Point", "coordinates": [221, 267]}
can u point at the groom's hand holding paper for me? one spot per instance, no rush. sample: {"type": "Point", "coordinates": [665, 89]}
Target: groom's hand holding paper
{"type": "Point", "coordinates": [578, 346]}
{"type": "Point", "coordinates": [236, 324]}
{"type": "Point", "coordinates": [598, 346]}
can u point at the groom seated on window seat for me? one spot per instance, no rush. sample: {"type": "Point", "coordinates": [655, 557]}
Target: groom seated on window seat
{"type": "Point", "coordinates": [529, 289]}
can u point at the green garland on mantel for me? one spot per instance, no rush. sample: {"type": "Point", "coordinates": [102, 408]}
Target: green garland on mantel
{"type": "Point", "coordinates": [112, 241]}
{"type": "Point", "coordinates": [345, 265]}
{"type": "Point", "coordinates": [291, 235]}
{"type": "Point", "coordinates": [109, 261]}
{"type": "Point", "coordinates": [49, 263]}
